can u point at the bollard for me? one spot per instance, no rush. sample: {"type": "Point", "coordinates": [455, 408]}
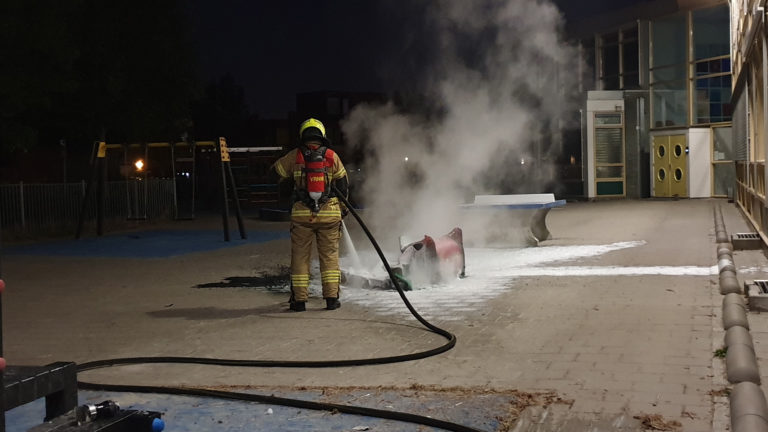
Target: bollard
{"type": "Point", "coordinates": [748, 407]}
{"type": "Point", "coordinates": [738, 335]}
{"type": "Point", "coordinates": [741, 364]}
{"type": "Point", "coordinates": [729, 284]}
{"type": "Point", "coordinates": [734, 315]}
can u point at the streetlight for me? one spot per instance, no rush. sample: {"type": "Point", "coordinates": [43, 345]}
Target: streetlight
{"type": "Point", "coordinates": [139, 164]}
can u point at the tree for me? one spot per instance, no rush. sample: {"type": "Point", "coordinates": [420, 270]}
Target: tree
{"type": "Point", "coordinates": [81, 69]}
{"type": "Point", "coordinates": [37, 72]}
{"type": "Point", "coordinates": [222, 111]}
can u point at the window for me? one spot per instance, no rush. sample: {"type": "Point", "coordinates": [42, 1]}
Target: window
{"type": "Point", "coordinates": [712, 65]}
{"type": "Point", "coordinates": [711, 29]}
{"type": "Point", "coordinates": [609, 61]}
{"type": "Point", "coordinates": [619, 60]}
{"type": "Point", "coordinates": [669, 91]}
{"type": "Point", "coordinates": [587, 54]}
{"type": "Point", "coordinates": [669, 40]}
{"type": "Point", "coordinates": [670, 104]}
{"type": "Point", "coordinates": [713, 96]}
{"type": "Point", "coordinates": [630, 59]}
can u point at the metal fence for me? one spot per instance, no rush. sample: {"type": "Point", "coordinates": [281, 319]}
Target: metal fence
{"type": "Point", "coordinates": [41, 208]}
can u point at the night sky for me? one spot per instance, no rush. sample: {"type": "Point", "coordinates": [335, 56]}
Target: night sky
{"type": "Point", "coordinates": [274, 49]}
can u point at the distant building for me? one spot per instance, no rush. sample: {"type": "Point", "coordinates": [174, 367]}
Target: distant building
{"type": "Point", "coordinates": [656, 119]}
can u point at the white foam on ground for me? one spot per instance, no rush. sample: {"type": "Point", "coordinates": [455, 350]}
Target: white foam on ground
{"type": "Point", "coordinates": [753, 269]}
{"type": "Point", "coordinates": [614, 271]}
{"type": "Point", "coordinates": [493, 271]}
{"type": "Point", "coordinates": [489, 273]}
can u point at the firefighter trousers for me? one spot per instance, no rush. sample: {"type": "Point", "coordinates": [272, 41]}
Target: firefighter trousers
{"type": "Point", "coordinates": [327, 235]}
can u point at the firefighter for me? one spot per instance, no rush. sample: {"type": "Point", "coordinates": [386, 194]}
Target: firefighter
{"type": "Point", "coordinates": [316, 212]}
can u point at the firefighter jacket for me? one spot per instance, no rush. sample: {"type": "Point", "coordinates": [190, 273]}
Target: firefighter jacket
{"type": "Point", "coordinates": [290, 167]}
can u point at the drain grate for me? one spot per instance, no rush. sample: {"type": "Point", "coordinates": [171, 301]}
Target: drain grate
{"type": "Point", "coordinates": [757, 295]}
{"type": "Point", "coordinates": [762, 285]}
{"type": "Point", "coordinates": [746, 241]}
{"type": "Point", "coordinates": [746, 236]}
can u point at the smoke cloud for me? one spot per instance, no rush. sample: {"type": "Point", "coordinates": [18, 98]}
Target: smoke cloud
{"type": "Point", "coordinates": [500, 79]}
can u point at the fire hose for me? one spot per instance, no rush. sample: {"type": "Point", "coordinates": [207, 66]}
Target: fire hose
{"type": "Point", "coordinates": [397, 282]}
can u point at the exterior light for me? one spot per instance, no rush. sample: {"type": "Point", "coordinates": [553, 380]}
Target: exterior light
{"type": "Point", "coordinates": [522, 161]}
{"type": "Point", "coordinates": [139, 164]}
{"type": "Point", "coordinates": [406, 158]}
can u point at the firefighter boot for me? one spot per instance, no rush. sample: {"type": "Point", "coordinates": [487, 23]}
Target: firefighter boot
{"type": "Point", "coordinates": [298, 306]}
{"type": "Point", "coordinates": [332, 303]}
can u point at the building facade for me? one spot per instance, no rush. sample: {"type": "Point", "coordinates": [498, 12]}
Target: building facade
{"type": "Point", "coordinates": [750, 71]}
{"type": "Point", "coordinates": [658, 122]}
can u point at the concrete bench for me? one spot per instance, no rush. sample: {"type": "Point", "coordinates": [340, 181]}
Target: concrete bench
{"type": "Point", "coordinates": [495, 217]}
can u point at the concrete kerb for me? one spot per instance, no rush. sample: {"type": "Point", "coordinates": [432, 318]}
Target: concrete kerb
{"type": "Point", "coordinates": [734, 315]}
{"type": "Point", "coordinates": [740, 359]}
{"type": "Point", "coordinates": [749, 410]}
{"type": "Point", "coordinates": [734, 298]}
{"type": "Point", "coordinates": [727, 245]}
{"type": "Point", "coordinates": [729, 284]}
{"type": "Point", "coordinates": [738, 335]}
{"type": "Point", "coordinates": [749, 423]}
{"type": "Point", "coordinates": [747, 400]}
{"type": "Point", "coordinates": [741, 364]}
{"type": "Point", "coordinates": [725, 263]}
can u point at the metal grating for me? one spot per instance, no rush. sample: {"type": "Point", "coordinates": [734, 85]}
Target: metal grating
{"type": "Point", "coordinates": [741, 125]}
{"type": "Point", "coordinates": [746, 236]}
{"type": "Point", "coordinates": [762, 285]}
{"type": "Point", "coordinates": [746, 241]}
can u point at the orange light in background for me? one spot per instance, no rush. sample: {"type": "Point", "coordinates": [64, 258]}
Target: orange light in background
{"type": "Point", "coordinates": [139, 164]}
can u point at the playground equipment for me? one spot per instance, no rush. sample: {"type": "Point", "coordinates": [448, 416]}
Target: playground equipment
{"type": "Point", "coordinates": [135, 169]}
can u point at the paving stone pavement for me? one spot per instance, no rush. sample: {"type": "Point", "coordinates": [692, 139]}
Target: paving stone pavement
{"type": "Point", "coordinates": [613, 341]}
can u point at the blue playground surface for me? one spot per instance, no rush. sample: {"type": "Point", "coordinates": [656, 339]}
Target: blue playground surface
{"type": "Point", "coordinates": [197, 414]}
{"type": "Point", "coordinates": [145, 244]}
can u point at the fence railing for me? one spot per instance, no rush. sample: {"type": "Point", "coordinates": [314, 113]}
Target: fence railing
{"type": "Point", "coordinates": [39, 208]}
